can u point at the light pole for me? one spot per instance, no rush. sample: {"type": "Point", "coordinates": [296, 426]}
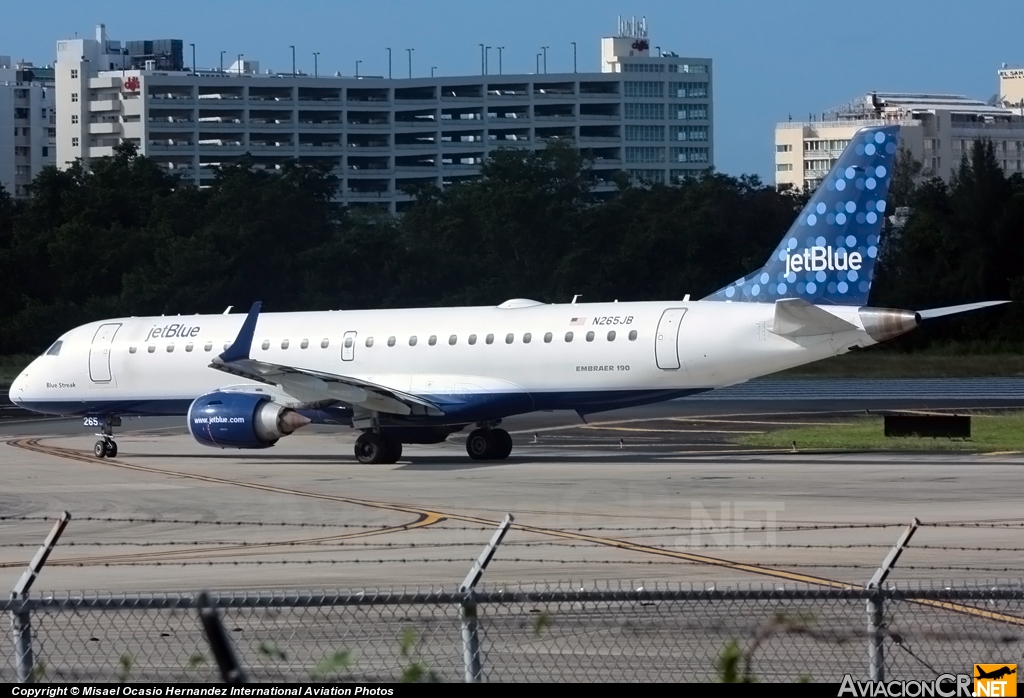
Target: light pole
{"type": "Point", "coordinates": [574, 56]}
{"type": "Point", "coordinates": [409, 51]}
{"type": "Point", "coordinates": [481, 58]}
{"type": "Point", "coordinates": [487, 60]}
{"type": "Point", "coordinates": [240, 63]}
{"type": "Point", "coordinates": [545, 50]}
{"type": "Point", "coordinates": [658, 49]}
{"type": "Point", "coordinates": [193, 58]}
{"type": "Point", "coordinates": [538, 65]}
{"type": "Point", "coordinates": [293, 60]}
{"type": "Point", "coordinates": [357, 68]}
{"type": "Point", "coordinates": [222, 61]}
{"type": "Point", "coordinates": [389, 63]}
{"type": "Point", "coordinates": [432, 69]}
{"type": "Point", "coordinates": [316, 67]}
{"type": "Point", "coordinates": [500, 49]}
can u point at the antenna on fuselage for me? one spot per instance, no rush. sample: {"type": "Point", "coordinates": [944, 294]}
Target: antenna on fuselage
{"type": "Point", "coordinates": [575, 297]}
{"type": "Point", "coordinates": [228, 309]}
{"type": "Point", "coordinates": [686, 298]}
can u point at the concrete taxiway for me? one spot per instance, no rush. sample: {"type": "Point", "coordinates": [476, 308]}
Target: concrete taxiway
{"type": "Point", "coordinates": [642, 498]}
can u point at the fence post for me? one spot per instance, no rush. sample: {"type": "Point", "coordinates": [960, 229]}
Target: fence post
{"type": "Point", "coordinates": [21, 620]}
{"type": "Point", "coordinates": [876, 637]}
{"type": "Point", "coordinates": [24, 662]}
{"type": "Point", "coordinates": [223, 651]}
{"type": "Point", "coordinates": [876, 605]}
{"type": "Point", "coordinates": [468, 609]}
{"type": "Point", "coordinates": [471, 640]}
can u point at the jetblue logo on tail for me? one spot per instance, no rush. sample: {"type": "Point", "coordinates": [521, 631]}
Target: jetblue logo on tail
{"type": "Point", "coordinates": [823, 258]}
{"type": "Point", "coordinates": [828, 255]}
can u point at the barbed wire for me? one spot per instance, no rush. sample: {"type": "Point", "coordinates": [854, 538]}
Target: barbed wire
{"type": "Point", "coordinates": [797, 527]}
{"type": "Point", "coordinates": [446, 526]}
{"type": "Point", "coordinates": [201, 522]}
{"type": "Point", "coordinates": [505, 544]}
{"type": "Point", "coordinates": [519, 560]}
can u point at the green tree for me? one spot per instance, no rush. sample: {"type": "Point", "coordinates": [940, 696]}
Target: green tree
{"type": "Point", "coordinates": [906, 173]}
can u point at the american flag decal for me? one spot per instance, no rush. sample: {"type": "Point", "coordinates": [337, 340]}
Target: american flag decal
{"type": "Point", "coordinates": [578, 321]}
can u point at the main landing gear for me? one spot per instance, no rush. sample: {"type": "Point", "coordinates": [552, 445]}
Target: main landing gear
{"type": "Point", "coordinates": [489, 444]}
{"type": "Point", "coordinates": [106, 447]}
{"type": "Point", "coordinates": [373, 448]}
{"type": "Point", "coordinates": [380, 448]}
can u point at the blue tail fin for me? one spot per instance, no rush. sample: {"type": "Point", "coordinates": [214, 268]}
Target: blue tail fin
{"type": "Point", "coordinates": [828, 255]}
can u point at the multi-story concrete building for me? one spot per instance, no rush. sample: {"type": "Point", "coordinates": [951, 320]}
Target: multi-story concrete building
{"type": "Point", "coordinates": [937, 130]}
{"type": "Point", "coordinates": [27, 124]}
{"type": "Point", "coordinates": [1011, 88]}
{"type": "Point", "coordinates": [650, 116]}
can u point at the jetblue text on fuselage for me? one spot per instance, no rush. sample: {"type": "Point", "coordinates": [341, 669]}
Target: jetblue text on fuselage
{"type": "Point", "coordinates": [175, 330]}
{"type": "Point", "coordinates": [821, 258]}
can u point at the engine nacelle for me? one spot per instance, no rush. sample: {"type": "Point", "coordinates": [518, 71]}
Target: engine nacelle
{"type": "Point", "coordinates": [241, 420]}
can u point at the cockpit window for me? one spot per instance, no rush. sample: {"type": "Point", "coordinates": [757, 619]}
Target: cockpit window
{"type": "Point", "coordinates": [55, 349]}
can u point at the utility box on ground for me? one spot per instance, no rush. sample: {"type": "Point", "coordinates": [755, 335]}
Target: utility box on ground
{"type": "Point", "coordinates": [934, 425]}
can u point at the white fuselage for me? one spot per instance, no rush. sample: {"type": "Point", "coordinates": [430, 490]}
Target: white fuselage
{"type": "Point", "coordinates": [486, 362]}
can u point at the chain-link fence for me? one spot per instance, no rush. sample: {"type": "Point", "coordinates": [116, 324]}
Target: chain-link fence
{"type": "Point", "coordinates": [611, 633]}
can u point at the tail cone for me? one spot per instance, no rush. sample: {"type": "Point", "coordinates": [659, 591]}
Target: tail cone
{"type": "Point", "coordinates": [885, 323]}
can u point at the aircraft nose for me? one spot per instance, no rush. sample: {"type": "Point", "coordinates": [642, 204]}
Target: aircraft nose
{"type": "Point", "coordinates": [18, 388]}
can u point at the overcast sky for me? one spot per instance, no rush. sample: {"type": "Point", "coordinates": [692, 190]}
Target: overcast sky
{"type": "Point", "coordinates": [772, 59]}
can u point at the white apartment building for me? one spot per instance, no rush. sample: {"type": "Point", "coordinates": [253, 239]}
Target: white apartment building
{"type": "Point", "coordinates": [937, 129]}
{"type": "Point", "coordinates": [1011, 88]}
{"type": "Point", "coordinates": [27, 124]}
{"type": "Point", "coordinates": [650, 116]}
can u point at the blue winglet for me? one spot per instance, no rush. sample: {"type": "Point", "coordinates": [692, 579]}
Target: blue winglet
{"type": "Point", "coordinates": [239, 349]}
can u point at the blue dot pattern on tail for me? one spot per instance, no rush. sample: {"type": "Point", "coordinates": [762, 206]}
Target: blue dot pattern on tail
{"type": "Point", "coordinates": [828, 255]}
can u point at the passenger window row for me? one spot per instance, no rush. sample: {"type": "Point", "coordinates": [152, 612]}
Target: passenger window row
{"type": "Point", "coordinates": [304, 344]}
{"type": "Point", "coordinates": [170, 347]}
{"type": "Point", "coordinates": [510, 338]}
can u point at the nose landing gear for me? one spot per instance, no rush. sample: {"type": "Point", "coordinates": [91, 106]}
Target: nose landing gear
{"type": "Point", "coordinates": [106, 447]}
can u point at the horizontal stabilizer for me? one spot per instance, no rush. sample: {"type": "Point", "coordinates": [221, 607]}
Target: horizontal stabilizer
{"type": "Point", "coordinates": [795, 317]}
{"type": "Point", "coordinates": [956, 309]}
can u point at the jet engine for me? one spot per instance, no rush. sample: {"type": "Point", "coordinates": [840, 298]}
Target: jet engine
{"type": "Point", "coordinates": [241, 420]}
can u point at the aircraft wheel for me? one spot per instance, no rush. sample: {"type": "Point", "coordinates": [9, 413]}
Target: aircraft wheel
{"type": "Point", "coordinates": [111, 449]}
{"type": "Point", "coordinates": [479, 445]}
{"type": "Point", "coordinates": [100, 449]}
{"type": "Point", "coordinates": [371, 448]}
{"type": "Point", "coordinates": [502, 444]}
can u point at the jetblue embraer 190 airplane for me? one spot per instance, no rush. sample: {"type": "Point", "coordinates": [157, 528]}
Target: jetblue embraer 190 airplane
{"type": "Point", "coordinates": [416, 376]}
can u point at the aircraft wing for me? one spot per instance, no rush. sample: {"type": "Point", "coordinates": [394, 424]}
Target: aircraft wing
{"type": "Point", "coordinates": [310, 386]}
{"type": "Point", "coordinates": [795, 317]}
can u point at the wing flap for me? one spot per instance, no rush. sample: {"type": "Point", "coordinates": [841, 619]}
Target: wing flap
{"type": "Point", "coordinates": [795, 317]}
{"type": "Point", "coordinates": [315, 386]}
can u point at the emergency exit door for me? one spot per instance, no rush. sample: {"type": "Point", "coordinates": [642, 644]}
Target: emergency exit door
{"type": "Point", "coordinates": [666, 343]}
{"type": "Point", "coordinates": [99, 352]}
{"type": "Point", "coordinates": [348, 347]}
